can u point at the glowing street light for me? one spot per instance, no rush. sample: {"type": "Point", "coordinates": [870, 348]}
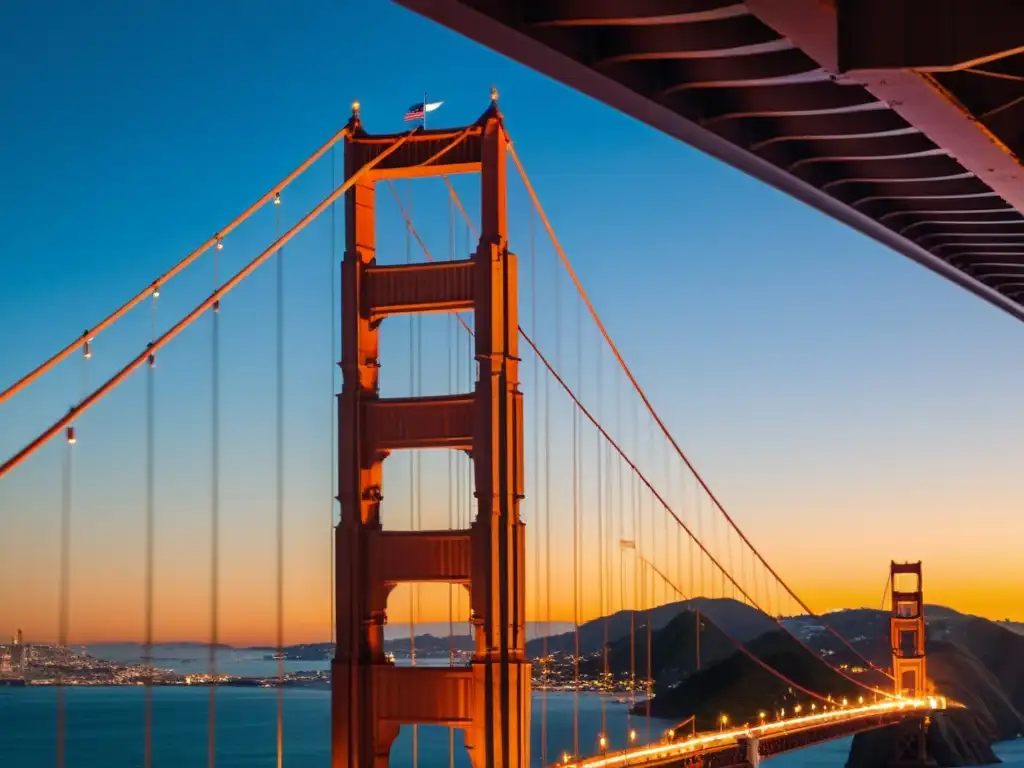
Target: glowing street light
{"type": "Point", "coordinates": [602, 742]}
{"type": "Point", "coordinates": [797, 709]}
{"type": "Point", "coordinates": [632, 735]}
{"type": "Point", "coordinates": [724, 720]}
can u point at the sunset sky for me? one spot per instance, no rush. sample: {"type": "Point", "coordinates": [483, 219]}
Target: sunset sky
{"type": "Point", "coordinates": [847, 406]}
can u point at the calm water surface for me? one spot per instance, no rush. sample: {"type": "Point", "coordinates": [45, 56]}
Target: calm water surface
{"type": "Point", "coordinates": [105, 730]}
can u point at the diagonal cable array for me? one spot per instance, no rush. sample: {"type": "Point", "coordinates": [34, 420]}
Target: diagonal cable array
{"type": "Point", "coordinates": [653, 413]}
{"type": "Point", "coordinates": [211, 301]}
{"type": "Point", "coordinates": [643, 479]}
{"type": "Point", "coordinates": [154, 288]}
{"type": "Point", "coordinates": [665, 431]}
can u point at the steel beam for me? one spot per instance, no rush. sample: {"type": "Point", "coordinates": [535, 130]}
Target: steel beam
{"type": "Point", "coordinates": [927, 35]}
{"type": "Point", "coordinates": [811, 25]}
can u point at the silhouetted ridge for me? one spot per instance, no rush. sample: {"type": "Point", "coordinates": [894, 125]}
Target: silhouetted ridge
{"type": "Point", "coordinates": [739, 687]}
{"type": "Point", "coordinates": [741, 621]}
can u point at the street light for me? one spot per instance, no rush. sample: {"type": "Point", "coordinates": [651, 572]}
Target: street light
{"type": "Point", "coordinates": [632, 735]}
{"type": "Point", "coordinates": [602, 743]}
{"type": "Point", "coordinates": [724, 720]}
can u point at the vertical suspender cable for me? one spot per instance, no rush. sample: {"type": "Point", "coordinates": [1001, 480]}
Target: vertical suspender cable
{"type": "Point", "coordinates": [150, 523]}
{"type": "Point", "coordinates": [650, 649]}
{"type": "Point", "coordinates": [576, 533]}
{"type": "Point", "coordinates": [279, 468]}
{"type": "Point", "coordinates": [459, 459]}
{"type": "Point", "coordinates": [547, 495]}
{"type": "Point", "coordinates": [332, 428]}
{"type": "Point", "coordinates": [537, 501]}
{"type": "Point", "coordinates": [211, 747]}
{"type": "Point", "coordinates": [412, 467]}
{"type": "Point", "coordinates": [601, 547]}
{"type": "Point", "coordinates": [452, 330]}
{"type": "Point", "coordinates": [63, 607]}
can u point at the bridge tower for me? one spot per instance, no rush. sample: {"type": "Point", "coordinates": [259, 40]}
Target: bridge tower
{"type": "Point", "coordinates": [907, 632]}
{"type": "Point", "coordinates": [371, 697]}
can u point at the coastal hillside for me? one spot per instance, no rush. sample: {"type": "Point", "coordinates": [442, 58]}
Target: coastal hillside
{"type": "Point", "coordinates": [736, 618]}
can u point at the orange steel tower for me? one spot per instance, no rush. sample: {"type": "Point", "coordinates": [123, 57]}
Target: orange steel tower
{"type": "Point", "coordinates": [907, 632]}
{"type": "Point", "coordinates": [372, 698]}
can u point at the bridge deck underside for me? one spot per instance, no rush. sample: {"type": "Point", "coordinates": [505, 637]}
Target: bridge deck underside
{"type": "Point", "coordinates": [715, 74]}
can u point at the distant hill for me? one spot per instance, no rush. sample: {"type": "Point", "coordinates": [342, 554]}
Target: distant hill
{"type": "Point", "coordinates": [971, 660]}
{"type": "Point", "coordinates": [1013, 626]}
{"type": "Point", "coordinates": [673, 650]}
{"type": "Point", "coordinates": [739, 620]}
{"type": "Point", "coordinates": [974, 661]}
{"type": "Point", "coordinates": [741, 688]}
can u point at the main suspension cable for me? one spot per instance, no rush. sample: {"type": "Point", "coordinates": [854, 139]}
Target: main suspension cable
{"type": "Point", "coordinates": [651, 488]}
{"type": "Point", "coordinates": [99, 393]}
{"type": "Point", "coordinates": [664, 429]}
{"type": "Point", "coordinates": [148, 291]}
{"type": "Point", "coordinates": [733, 640]}
{"type": "Point", "coordinates": [695, 539]}
{"type": "Point", "coordinates": [885, 590]}
{"type": "Point", "coordinates": [661, 500]}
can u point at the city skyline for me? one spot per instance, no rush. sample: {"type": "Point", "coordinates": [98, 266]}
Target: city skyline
{"type": "Point", "coordinates": [837, 396]}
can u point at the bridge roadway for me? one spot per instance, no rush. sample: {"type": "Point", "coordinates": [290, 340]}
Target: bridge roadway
{"type": "Point", "coordinates": [729, 747]}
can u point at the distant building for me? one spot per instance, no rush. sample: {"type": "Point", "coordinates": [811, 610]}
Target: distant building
{"type": "Point", "coordinates": [18, 659]}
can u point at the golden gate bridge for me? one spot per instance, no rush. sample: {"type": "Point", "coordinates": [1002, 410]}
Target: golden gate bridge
{"type": "Point", "coordinates": [628, 512]}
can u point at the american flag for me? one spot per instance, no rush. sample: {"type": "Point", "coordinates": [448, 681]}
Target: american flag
{"type": "Point", "coordinates": [415, 112]}
{"type": "Point", "coordinates": [419, 111]}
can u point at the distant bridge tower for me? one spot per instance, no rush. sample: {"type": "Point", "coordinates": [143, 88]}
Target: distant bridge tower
{"type": "Point", "coordinates": [372, 698]}
{"type": "Point", "coordinates": [907, 631]}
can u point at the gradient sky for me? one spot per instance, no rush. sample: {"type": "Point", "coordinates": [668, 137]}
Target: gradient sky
{"type": "Point", "coordinates": [848, 406]}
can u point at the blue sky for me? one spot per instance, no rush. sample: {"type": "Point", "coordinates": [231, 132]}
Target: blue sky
{"type": "Point", "coordinates": [845, 402]}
